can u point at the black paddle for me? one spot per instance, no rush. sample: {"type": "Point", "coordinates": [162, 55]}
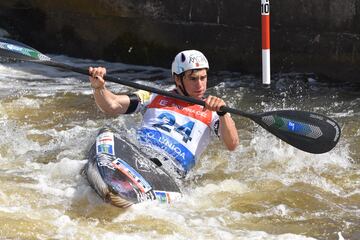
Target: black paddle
{"type": "Point", "coordinates": [308, 131]}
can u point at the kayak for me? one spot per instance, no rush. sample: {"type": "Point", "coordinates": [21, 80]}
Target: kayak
{"type": "Point", "coordinates": [123, 174]}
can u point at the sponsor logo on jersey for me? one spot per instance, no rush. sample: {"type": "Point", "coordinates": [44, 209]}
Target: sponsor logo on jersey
{"type": "Point", "coordinates": [191, 110]}
{"type": "Point", "coordinates": [169, 145]}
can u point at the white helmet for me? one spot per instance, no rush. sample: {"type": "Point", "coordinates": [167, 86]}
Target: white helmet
{"type": "Point", "coordinates": [188, 60]}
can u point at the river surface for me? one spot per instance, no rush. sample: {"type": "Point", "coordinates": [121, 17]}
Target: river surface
{"type": "Point", "coordinates": [264, 190]}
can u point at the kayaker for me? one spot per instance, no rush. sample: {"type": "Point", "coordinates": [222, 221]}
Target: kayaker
{"type": "Point", "coordinates": [179, 130]}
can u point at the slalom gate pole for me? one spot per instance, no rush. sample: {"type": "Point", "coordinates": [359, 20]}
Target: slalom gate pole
{"type": "Point", "coordinates": [265, 36]}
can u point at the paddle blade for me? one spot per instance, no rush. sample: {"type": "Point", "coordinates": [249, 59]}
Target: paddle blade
{"type": "Point", "coordinates": [310, 132]}
{"type": "Point", "coordinates": [19, 51]}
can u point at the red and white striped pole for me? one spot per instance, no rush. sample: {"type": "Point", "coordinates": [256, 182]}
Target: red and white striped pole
{"type": "Point", "coordinates": [265, 26]}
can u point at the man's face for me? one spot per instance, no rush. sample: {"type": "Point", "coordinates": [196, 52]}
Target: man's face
{"type": "Point", "coordinates": [195, 82]}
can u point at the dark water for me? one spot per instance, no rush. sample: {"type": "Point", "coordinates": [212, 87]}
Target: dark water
{"type": "Point", "coordinates": [266, 189]}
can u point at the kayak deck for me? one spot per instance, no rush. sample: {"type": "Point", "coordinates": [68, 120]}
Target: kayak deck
{"type": "Point", "coordinates": [123, 175]}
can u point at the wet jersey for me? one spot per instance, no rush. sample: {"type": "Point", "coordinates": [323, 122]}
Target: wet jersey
{"type": "Point", "coordinates": [180, 129]}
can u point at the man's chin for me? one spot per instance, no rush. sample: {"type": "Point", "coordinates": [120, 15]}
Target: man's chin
{"type": "Point", "coordinates": [197, 96]}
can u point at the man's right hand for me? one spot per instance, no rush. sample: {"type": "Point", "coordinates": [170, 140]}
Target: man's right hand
{"type": "Point", "coordinates": [97, 77]}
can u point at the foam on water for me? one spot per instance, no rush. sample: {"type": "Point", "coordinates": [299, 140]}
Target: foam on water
{"type": "Point", "coordinates": [192, 223]}
{"type": "Point", "coordinates": [15, 142]}
{"type": "Point", "coordinates": [285, 163]}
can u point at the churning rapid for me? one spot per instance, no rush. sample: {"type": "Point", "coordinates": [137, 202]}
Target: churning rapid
{"type": "Point", "coordinates": [266, 189]}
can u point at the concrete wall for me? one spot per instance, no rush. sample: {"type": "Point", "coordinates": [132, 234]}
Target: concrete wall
{"type": "Point", "coordinates": [306, 36]}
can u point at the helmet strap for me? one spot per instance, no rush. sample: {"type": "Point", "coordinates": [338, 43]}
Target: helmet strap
{"type": "Point", "coordinates": [182, 86]}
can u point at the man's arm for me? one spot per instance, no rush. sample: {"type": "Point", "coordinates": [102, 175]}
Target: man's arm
{"type": "Point", "coordinates": [110, 103]}
{"type": "Point", "coordinates": [228, 131]}
{"type": "Point", "coordinates": [107, 101]}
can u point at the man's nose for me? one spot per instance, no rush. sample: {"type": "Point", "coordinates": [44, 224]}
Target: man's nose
{"type": "Point", "coordinates": [197, 82]}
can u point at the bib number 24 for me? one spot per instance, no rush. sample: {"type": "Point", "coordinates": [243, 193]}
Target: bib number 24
{"type": "Point", "coordinates": [167, 122]}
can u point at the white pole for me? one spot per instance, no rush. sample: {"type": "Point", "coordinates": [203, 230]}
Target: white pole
{"type": "Point", "coordinates": [265, 36]}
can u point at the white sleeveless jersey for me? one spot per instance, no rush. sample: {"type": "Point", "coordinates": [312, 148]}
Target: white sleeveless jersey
{"type": "Point", "coordinates": [180, 129]}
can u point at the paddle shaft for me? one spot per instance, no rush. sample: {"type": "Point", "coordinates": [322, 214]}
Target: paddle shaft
{"type": "Point", "coordinates": [146, 88]}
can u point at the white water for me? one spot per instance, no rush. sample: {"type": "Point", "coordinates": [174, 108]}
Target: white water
{"type": "Point", "coordinates": [266, 189]}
